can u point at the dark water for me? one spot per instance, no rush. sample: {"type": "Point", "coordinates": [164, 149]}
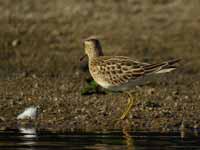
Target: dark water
{"type": "Point", "coordinates": [29, 139]}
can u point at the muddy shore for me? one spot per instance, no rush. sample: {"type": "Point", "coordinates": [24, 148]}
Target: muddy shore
{"type": "Point", "coordinates": [40, 47]}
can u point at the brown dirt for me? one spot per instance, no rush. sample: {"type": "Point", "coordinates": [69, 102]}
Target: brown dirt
{"type": "Point", "coordinates": [40, 47]}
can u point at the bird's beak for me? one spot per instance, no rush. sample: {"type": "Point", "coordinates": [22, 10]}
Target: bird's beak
{"type": "Point", "coordinates": [83, 57]}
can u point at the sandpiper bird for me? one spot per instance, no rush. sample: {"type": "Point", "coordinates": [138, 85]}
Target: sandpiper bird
{"type": "Point", "coordinates": [119, 73]}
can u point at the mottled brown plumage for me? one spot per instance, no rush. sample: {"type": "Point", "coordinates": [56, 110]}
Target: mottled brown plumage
{"type": "Point", "coordinates": [116, 70]}
{"type": "Point", "coordinates": [119, 73]}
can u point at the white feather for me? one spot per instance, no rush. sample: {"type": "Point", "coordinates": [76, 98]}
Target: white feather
{"type": "Point", "coordinates": [29, 112]}
{"type": "Point", "coordinates": [165, 70]}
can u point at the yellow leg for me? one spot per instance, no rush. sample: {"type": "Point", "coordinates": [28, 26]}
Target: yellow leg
{"type": "Point", "coordinates": [129, 140]}
{"type": "Point", "coordinates": [129, 106]}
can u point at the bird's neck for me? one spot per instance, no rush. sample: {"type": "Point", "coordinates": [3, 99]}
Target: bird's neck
{"type": "Point", "coordinates": [92, 57]}
{"type": "Point", "coordinates": [96, 53]}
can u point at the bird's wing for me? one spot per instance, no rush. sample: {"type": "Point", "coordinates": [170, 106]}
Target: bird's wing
{"type": "Point", "coordinates": [119, 69]}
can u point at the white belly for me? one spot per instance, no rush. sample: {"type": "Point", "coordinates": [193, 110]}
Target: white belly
{"type": "Point", "coordinates": [122, 87]}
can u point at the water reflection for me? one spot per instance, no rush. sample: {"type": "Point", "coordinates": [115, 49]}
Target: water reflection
{"type": "Point", "coordinates": [25, 139]}
{"type": "Point", "coordinates": [28, 132]}
{"type": "Point", "coordinates": [129, 140]}
{"type": "Point", "coordinates": [28, 137]}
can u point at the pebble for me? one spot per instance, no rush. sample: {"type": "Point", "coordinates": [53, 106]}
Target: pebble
{"type": "Point", "coordinates": [15, 42]}
{"type": "Point", "coordinates": [151, 91]}
{"type": "Point", "coordinates": [2, 119]}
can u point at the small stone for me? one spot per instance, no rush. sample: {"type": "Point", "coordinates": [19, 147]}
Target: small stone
{"type": "Point", "coordinates": [196, 126]}
{"type": "Point", "coordinates": [77, 73]}
{"type": "Point", "coordinates": [169, 98]}
{"type": "Point", "coordinates": [151, 91]}
{"type": "Point", "coordinates": [175, 104]}
{"type": "Point", "coordinates": [175, 92]}
{"type": "Point", "coordinates": [82, 110]}
{"type": "Point", "coordinates": [55, 33]}
{"type": "Point", "coordinates": [86, 103]}
{"type": "Point", "coordinates": [34, 76]}
{"type": "Point", "coordinates": [62, 87]}
{"type": "Point", "coordinates": [15, 42]}
{"type": "Point", "coordinates": [55, 99]}
{"type": "Point", "coordinates": [36, 85]}
{"type": "Point", "coordinates": [21, 93]}
{"type": "Point", "coordinates": [2, 119]}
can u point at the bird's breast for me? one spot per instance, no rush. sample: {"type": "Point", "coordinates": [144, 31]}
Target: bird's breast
{"type": "Point", "coordinates": [99, 77]}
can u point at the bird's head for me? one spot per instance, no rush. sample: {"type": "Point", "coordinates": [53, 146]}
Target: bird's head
{"type": "Point", "coordinates": [92, 48]}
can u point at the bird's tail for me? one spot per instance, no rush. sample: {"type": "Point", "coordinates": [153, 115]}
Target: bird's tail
{"type": "Point", "coordinates": [163, 67]}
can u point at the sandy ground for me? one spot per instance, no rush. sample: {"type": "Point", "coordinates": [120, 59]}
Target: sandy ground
{"type": "Point", "coordinates": [40, 47]}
